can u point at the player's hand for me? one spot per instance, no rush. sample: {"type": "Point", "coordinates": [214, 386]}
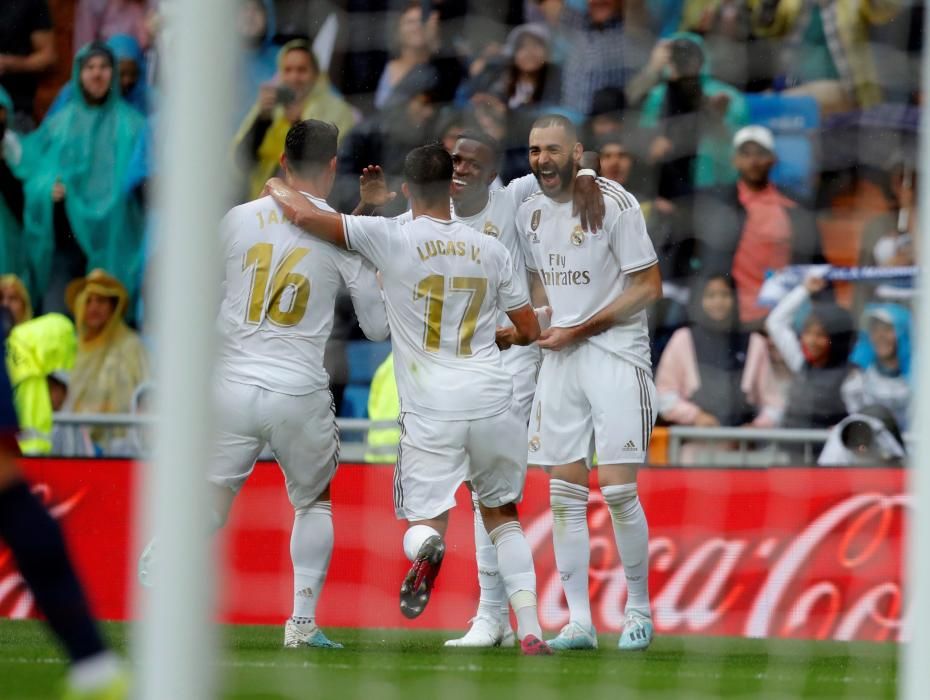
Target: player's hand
{"type": "Point", "coordinates": [372, 187]}
{"type": "Point", "coordinates": [504, 337]}
{"type": "Point", "coordinates": [290, 200]}
{"type": "Point", "coordinates": [556, 338]}
{"type": "Point", "coordinates": [58, 191]}
{"type": "Point", "coordinates": [588, 203]}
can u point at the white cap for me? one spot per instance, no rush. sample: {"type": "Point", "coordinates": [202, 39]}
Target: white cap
{"type": "Point", "coordinates": [755, 134]}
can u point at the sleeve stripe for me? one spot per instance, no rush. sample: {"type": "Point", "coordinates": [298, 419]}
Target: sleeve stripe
{"type": "Point", "coordinates": [621, 196]}
{"type": "Point", "coordinates": [345, 232]}
{"type": "Point", "coordinates": [637, 267]}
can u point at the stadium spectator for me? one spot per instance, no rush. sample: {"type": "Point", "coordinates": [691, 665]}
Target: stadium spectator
{"type": "Point", "coordinates": [601, 54]}
{"type": "Point", "coordinates": [415, 41]}
{"type": "Point", "coordinates": [695, 117]}
{"type": "Point", "coordinates": [111, 361]}
{"type": "Point", "coordinates": [524, 76]}
{"type": "Point", "coordinates": [14, 297]}
{"type": "Point", "coordinates": [259, 52]}
{"type": "Point", "coordinates": [881, 363]}
{"type": "Point", "coordinates": [607, 113]}
{"type": "Point", "coordinates": [98, 20]}
{"type": "Point", "coordinates": [825, 49]}
{"type": "Point", "coordinates": [12, 254]}
{"type": "Point", "coordinates": [868, 438]}
{"type": "Point", "coordinates": [27, 49]}
{"type": "Point", "coordinates": [449, 125]}
{"type": "Point", "coordinates": [132, 76]}
{"type": "Point", "coordinates": [386, 137]}
{"type": "Point", "coordinates": [888, 238]}
{"type": "Point", "coordinates": [36, 350]}
{"type": "Point", "coordinates": [712, 372]}
{"type": "Point", "coordinates": [77, 215]}
{"type": "Point", "coordinates": [750, 228]}
{"type": "Point", "coordinates": [302, 92]}
{"type": "Point", "coordinates": [726, 28]}
{"type": "Point", "coordinates": [818, 357]}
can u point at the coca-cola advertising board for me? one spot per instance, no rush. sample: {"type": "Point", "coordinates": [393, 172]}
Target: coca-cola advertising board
{"type": "Point", "coordinates": [781, 552]}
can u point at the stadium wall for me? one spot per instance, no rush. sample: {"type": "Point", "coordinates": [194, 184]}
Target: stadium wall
{"type": "Point", "coordinates": [781, 552]}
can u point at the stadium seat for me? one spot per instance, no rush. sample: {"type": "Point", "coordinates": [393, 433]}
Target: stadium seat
{"type": "Point", "coordinates": [355, 401]}
{"type": "Point", "coordinates": [793, 121]}
{"type": "Point", "coordinates": [364, 357]}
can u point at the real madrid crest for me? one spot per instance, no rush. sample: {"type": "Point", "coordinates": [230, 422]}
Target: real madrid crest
{"type": "Point", "coordinates": [534, 222]}
{"type": "Point", "coordinates": [491, 230]}
{"type": "Point", "coordinates": [577, 236]}
{"type": "Point", "coordinates": [534, 444]}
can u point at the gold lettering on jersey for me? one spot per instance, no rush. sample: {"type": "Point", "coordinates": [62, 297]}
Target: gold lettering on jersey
{"type": "Point", "coordinates": [534, 222]}
{"type": "Point", "coordinates": [577, 237]}
{"type": "Point", "coordinates": [491, 230]}
{"type": "Point", "coordinates": [261, 220]}
{"type": "Point", "coordinates": [432, 249]}
{"type": "Point", "coordinates": [273, 217]}
{"type": "Point", "coordinates": [476, 254]}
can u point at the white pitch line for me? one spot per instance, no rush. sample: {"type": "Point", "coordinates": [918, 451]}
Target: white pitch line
{"type": "Point", "coordinates": [475, 668]}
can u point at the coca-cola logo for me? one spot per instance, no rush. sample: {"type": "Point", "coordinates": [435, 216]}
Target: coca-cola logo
{"type": "Point", "coordinates": [837, 577]}
{"type": "Point", "coordinates": [15, 599]}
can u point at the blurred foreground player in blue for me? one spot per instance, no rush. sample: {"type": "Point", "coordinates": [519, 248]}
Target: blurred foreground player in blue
{"type": "Point", "coordinates": [38, 548]}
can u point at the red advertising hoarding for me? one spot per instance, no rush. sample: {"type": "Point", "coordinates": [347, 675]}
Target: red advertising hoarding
{"type": "Point", "coordinates": [781, 552]}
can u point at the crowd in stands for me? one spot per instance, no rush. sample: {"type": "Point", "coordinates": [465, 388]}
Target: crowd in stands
{"type": "Point", "coordinates": [757, 135]}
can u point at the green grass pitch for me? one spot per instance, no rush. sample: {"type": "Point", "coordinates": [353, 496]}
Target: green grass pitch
{"type": "Point", "coordinates": [395, 664]}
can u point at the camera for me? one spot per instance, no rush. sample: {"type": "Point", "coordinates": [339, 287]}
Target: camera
{"type": "Point", "coordinates": [284, 95]}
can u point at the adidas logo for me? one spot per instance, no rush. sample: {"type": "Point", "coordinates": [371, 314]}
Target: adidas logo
{"type": "Point", "coordinates": [630, 446]}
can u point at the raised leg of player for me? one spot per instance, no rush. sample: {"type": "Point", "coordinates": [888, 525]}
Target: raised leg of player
{"type": "Point", "coordinates": [568, 495]}
{"type": "Point", "coordinates": [425, 548]}
{"type": "Point", "coordinates": [618, 485]}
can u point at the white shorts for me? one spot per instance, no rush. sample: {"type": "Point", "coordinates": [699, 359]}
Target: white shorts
{"type": "Point", "coordinates": [435, 457]}
{"type": "Point", "coordinates": [522, 363]}
{"type": "Point", "coordinates": [589, 400]}
{"type": "Point", "coordinates": [300, 429]}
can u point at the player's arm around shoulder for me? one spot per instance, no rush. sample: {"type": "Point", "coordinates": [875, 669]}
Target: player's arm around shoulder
{"type": "Point", "coordinates": [304, 214]}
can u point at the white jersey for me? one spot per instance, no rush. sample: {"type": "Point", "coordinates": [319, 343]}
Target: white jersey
{"type": "Point", "coordinates": [279, 290]}
{"type": "Point", "coordinates": [444, 285]}
{"type": "Point", "coordinates": [584, 272]}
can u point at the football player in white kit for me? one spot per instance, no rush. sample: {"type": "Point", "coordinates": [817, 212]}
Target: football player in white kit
{"type": "Point", "coordinates": [493, 213]}
{"type": "Point", "coordinates": [444, 286]}
{"type": "Point", "coordinates": [271, 388]}
{"type": "Point", "coordinates": [595, 386]}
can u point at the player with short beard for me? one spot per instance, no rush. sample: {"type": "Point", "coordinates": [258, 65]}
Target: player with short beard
{"type": "Point", "coordinates": [595, 385]}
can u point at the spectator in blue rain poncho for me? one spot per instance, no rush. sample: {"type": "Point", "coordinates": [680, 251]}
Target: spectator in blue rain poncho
{"type": "Point", "coordinates": [12, 254]}
{"type": "Point", "coordinates": [882, 363]}
{"type": "Point", "coordinates": [77, 215]}
{"type": "Point", "coordinates": [130, 60]}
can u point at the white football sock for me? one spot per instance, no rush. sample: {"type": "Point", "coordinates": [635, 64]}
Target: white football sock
{"type": "Point", "coordinates": [516, 569]}
{"type": "Point", "coordinates": [632, 534]}
{"type": "Point", "coordinates": [572, 544]}
{"type": "Point", "coordinates": [415, 537]}
{"type": "Point", "coordinates": [311, 550]}
{"type": "Point", "coordinates": [493, 600]}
